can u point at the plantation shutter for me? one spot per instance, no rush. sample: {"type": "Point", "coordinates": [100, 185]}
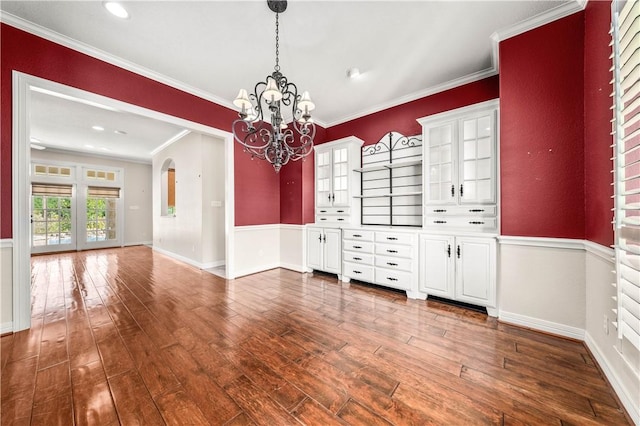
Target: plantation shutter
{"type": "Point", "coordinates": [42, 189]}
{"type": "Point", "coordinates": [626, 130]}
{"type": "Point", "coordinates": [103, 192]}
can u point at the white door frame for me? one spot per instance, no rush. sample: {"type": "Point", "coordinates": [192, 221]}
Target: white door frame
{"type": "Point", "coordinates": [21, 160]}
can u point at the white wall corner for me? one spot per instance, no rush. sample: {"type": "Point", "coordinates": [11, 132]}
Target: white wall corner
{"type": "Point", "coordinates": [629, 401]}
{"type": "Point", "coordinates": [541, 325]}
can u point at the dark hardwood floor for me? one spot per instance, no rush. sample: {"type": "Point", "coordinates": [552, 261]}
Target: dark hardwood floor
{"type": "Point", "coordinates": [128, 336]}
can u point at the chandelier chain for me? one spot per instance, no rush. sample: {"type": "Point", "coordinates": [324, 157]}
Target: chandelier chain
{"type": "Point", "coordinates": [277, 67]}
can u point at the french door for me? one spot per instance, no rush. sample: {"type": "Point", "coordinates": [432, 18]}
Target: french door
{"type": "Point", "coordinates": [75, 207]}
{"type": "Point", "coordinates": [52, 218]}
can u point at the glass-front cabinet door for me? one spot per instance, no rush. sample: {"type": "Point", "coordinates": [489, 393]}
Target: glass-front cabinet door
{"type": "Point", "coordinates": [323, 179]}
{"type": "Point", "coordinates": [340, 195]}
{"type": "Point", "coordinates": [477, 158]}
{"type": "Point", "coordinates": [440, 153]}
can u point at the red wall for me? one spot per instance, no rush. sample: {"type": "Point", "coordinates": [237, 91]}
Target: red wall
{"type": "Point", "coordinates": [542, 131]}
{"type": "Point", "coordinates": [597, 126]}
{"type": "Point", "coordinates": [21, 51]}
{"type": "Point", "coordinates": [402, 118]}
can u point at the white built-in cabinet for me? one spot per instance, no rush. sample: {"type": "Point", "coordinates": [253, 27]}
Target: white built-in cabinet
{"type": "Point", "coordinates": [335, 187]}
{"type": "Point", "coordinates": [336, 183]}
{"type": "Point", "coordinates": [324, 250]}
{"type": "Point", "coordinates": [368, 198]}
{"type": "Point", "coordinates": [460, 268]}
{"type": "Point", "coordinates": [460, 161]}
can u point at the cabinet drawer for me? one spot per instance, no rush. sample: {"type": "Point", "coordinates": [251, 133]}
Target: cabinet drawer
{"type": "Point", "coordinates": [394, 238]}
{"type": "Point", "coordinates": [393, 250]}
{"type": "Point", "coordinates": [357, 272]}
{"type": "Point", "coordinates": [395, 279]}
{"type": "Point", "coordinates": [332, 211]}
{"type": "Point", "coordinates": [469, 223]}
{"type": "Point", "coordinates": [490, 210]}
{"type": "Point", "coordinates": [394, 263]}
{"type": "Point", "coordinates": [359, 258]}
{"type": "Point", "coordinates": [358, 246]}
{"type": "Point", "coordinates": [358, 234]}
{"type": "Point", "coordinates": [332, 218]}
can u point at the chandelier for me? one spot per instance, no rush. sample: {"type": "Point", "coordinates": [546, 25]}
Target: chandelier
{"type": "Point", "coordinates": [262, 127]}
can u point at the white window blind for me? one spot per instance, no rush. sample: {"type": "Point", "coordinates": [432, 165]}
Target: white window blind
{"type": "Point", "coordinates": [103, 192]}
{"type": "Point", "coordinates": [51, 190]}
{"type": "Point", "coordinates": [626, 130]}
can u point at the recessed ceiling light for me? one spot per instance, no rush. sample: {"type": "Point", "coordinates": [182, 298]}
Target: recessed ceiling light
{"type": "Point", "coordinates": [97, 128]}
{"type": "Point", "coordinates": [120, 132]}
{"type": "Point", "coordinates": [116, 9]}
{"type": "Point", "coordinates": [353, 73]}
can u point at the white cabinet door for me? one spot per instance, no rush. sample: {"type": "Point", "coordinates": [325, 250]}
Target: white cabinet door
{"type": "Point", "coordinates": [314, 248]}
{"type": "Point", "coordinates": [340, 195]}
{"type": "Point", "coordinates": [477, 159]}
{"type": "Point", "coordinates": [436, 266]}
{"type": "Point", "coordinates": [323, 179]}
{"type": "Point", "coordinates": [475, 270]}
{"type": "Point", "coordinates": [332, 242]}
{"type": "Point", "coordinates": [440, 174]}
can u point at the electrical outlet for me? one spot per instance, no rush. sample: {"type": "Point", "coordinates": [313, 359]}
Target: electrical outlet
{"type": "Point", "coordinates": [605, 325]}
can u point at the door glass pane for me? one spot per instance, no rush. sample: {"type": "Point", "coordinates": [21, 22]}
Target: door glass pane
{"type": "Point", "coordinates": [484, 126]}
{"type": "Point", "coordinates": [101, 219]}
{"type": "Point", "coordinates": [469, 129]}
{"type": "Point", "coordinates": [50, 220]}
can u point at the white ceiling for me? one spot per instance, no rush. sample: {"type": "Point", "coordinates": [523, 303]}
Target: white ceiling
{"type": "Point", "coordinates": [404, 49]}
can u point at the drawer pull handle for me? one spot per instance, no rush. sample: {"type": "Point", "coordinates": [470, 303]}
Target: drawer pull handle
{"type": "Point", "coordinates": [340, 218]}
{"type": "Point", "coordinates": [357, 247]}
{"type": "Point", "coordinates": [453, 191]}
{"type": "Point", "coordinates": [391, 238]}
{"type": "Point", "coordinates": [357, 236]}
{"type": "Point", "coordinates": [323, 218]}
{"type": "Point", "coordinates": [340, 211]}
{"type": "Point", "coordinates": [392, 251]}
{"type": "Point", "coordinates": [476, 210]}
{"type": "Point", "coordinates": [323, 211]}
{"type": "Point", "coordinates": [439, 211]}
{"type": "Point", "coordinates": [392, 279]}
{"type": "Point", "coordinates": [357, 272]}
{"type": "Point", "coordinates": [357, 258]}
{"type": "Point", "coordinates": [439, 221]}
{"type": "Point", "coordinates": [392, 264]}
{"type": "Point", "coordinates": [475, 222]}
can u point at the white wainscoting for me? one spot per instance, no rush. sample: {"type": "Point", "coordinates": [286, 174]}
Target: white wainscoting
{"type": "Point", "coordinates": [541, 284]}
{"type": "Point", "coordinates": [262, 247]}
{"type": "Point", "coordinates": [6, 286]}
{"type": "Point", "coordinates": [563, 286]}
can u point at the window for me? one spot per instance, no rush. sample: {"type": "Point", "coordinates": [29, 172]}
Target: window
{"type": "Point", "coordinates": [626, 130]}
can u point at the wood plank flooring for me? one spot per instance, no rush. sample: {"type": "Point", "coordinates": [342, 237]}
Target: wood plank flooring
{"type": "Point", "coordinates": [128, 336]}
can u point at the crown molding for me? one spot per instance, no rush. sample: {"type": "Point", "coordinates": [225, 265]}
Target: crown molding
{"type": "Point", "coordinates": [544, 18]}
{"type": "Point", "coordinates": [539, 20]}
{"type": "Point", "coordinates": [470, 78]}
{"type": "Point", "coordinates": [81, 47]}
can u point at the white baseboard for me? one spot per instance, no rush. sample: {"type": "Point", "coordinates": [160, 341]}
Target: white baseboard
{"type": "Point", "coordinates": [542, 325]}
{"type": "Point", "coordinates": [627, 400]}
{"type": "Point", "coordinates": [139, 243]}
{"type": "Point", "coordinates": [6, 327]}
{"type": "Point", "coordinates": [213, 264]}
{"type": "Point", "coordinates": [178, 257]}
{"type": "Point", "coordinates": [292, 267]}
{"type": "Point", "coordinates": [250, 271]}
